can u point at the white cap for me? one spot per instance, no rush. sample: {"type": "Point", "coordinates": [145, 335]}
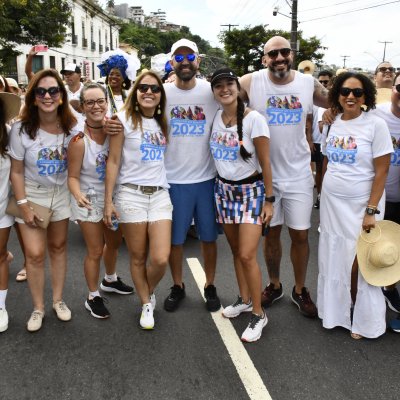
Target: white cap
{"type": "Point", "coordinates": [71, 68]}
{"type": "Point", "coordinates": [12, 82]}
{"type": "Point", "coordinates": [184, 43]}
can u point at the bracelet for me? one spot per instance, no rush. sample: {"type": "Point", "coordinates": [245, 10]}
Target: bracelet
{"type": "Point", "coordinates": [371, 206]}
{"type": "Point", "coordinates": [22, 201]}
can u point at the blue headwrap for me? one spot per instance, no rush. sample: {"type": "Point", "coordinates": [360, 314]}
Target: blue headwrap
{"type": "Point", "coordinates": [115, 61]}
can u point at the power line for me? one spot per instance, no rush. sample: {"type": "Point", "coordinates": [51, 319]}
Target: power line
{"type": "Point", "coordinates": [330, 5]}
{"type": "Point", "coordinates": [351, 11]}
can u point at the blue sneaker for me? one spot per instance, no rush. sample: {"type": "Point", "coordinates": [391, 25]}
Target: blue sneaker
{"type": "Point", "coordinates": [394, 325]}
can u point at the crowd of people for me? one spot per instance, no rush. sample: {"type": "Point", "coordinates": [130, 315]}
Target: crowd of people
{"type": "Point", "coordinates": [142, 163]}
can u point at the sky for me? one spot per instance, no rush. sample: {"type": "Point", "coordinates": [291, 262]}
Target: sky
{"type": "Point", "coordinates": [352, 28]}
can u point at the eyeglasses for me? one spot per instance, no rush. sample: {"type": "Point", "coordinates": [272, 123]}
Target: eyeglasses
{"type": "Point", "coordinates": [100, 102]}
{"type": "Point", "coordinates": [180, 57]}
{"type": "Point", "coordinates": [357, 92]}
{"type": "Point", "coordinates": [385, 69]}
{"type": "Point", "coordinates": [143, 88]}
{"type": "Point", "coordinates": [274, 53]}
{"type": "Point", "coordinates": [324, 82]}
{"type": "Point", "coordinates": [53, 91]}
{"type": "Point", "coordinates": [397, 87]}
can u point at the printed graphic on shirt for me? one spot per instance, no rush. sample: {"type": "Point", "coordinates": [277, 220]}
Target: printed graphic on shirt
{"type": "Point", "coordinates": [101, 161]}
{"type": "Point", "coordinates": [52, 160]}
{"type": "Point", "coordinates": [153, 146]}
{"type": "Point", "coordinates": [224, 146]}
{"type": "Point", "coordinates": [395, 156]}
{"type": "Point", "coordinates": [286, 110]}
{"type": "Point", "coordinates": [341, 149]}
{"type": "Point", "coordinates": [187, 122]}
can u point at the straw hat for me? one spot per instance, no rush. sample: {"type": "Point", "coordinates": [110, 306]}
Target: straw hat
{"type": "Point", "coordinates": [378, 254]}
{"type": "Point", "coordinates": [306, 67]}
{"type": "Point", "coordinates": [12, 104]}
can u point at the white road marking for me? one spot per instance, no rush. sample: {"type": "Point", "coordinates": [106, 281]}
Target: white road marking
{"type": "Point", "coordinates": [244, 365]}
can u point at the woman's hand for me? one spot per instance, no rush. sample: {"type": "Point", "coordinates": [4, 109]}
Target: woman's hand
{"type": "Point", "coordinates": [329, 116]}
{"type": "Point", "coordinates": [113, 126]}
{"type": "Point", "coordinates": [29, 216]}
{"type": "Point", "coordinates": [267, 212]}
{"type": "Point", "coordinates": [368, 222]}
{"type": "Point", "coordinates": [109, 211]}
{"type": "Point", "coordinates": [82, 201]}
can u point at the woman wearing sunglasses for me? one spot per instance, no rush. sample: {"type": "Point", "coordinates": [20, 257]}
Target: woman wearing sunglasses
{"type": "Point", "coordinates": [87, 157]}
{"type": "Point", "coordinates": [243, 192]}
{"type": "Point", "coordinates": [141, 200]}
{"type": "Point", "coordinates": [38, 150]}
{"type": "Point", "coordinates": [357, 149]}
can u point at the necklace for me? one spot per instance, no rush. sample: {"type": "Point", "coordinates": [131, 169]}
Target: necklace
{"type": "Point", "coordinates": [93, 127]}
{"type": "Point", "coordinates": [230, 122]}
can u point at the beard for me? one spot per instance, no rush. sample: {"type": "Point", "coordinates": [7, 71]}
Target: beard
{"type": "Point", "coordinates": [186, 75]}
{"type": "Point", "coordinates": [280, 74]}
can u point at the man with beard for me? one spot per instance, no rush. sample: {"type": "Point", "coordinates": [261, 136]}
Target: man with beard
{"type": "Point", "coordinates": [285, 97]}
{"type": "Point", "coordinates": [190, 169]}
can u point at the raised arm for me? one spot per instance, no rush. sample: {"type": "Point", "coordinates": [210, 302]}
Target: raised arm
{"type": "Point", "coordinates": [320, 95]}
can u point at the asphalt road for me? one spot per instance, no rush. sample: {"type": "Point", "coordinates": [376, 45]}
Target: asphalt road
{"type": "Point", "coordinates": [184, 357]}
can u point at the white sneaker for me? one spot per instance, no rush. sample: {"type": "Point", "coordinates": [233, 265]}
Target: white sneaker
{"type": "Point", "coordinates": [3, 320]}
{"type": "Point", "coordinates": [35, 321]}
{"type": "Point", "coordinates": [147, 319]}
{"type": "Point", "coordinates": [255, 327]}
{"type": "Point", "coordinates": [62, 311]}
{"type": "Point", "coordinates": [153, 301]}
{"type": "Point", "coordinates": [237, 308]}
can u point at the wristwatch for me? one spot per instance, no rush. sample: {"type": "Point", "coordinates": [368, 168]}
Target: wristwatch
{"type": "Point", "coordinates": [270, 199]}
{"type": "Point", "coordinates": [372, 211]}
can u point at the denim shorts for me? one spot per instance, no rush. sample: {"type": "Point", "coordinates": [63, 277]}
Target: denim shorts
{"type": "Point", "coordinates": [193, 201]}
{"type": "Point", "coordinates": [133, 206]}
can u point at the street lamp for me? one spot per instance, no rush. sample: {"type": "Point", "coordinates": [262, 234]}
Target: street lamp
{"type": "Point", "coordinates": [293, 17]}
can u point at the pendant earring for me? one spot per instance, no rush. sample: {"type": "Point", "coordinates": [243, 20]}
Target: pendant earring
{"type": "Point", "coordinates": [124, 85]}
{"type": "Point", "coordinates": [60, 102]}
{"type": "Point", "coordinates": [137, 107]}
{"type": "Point", "coordinates": [159, 110]}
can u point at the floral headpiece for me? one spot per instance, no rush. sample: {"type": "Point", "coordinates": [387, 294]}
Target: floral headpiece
{"type": "Point", "coordinates": [126, 63]}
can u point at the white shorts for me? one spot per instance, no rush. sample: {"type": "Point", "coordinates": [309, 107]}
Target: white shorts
{"type": "Point", "coordinates": [42, 195]}
{"type": "Point", "coordinates": [83, 214]}
{"type": "Point", "coordinates": [133, 206]}
{"type": "Point", "coordinates": [293, 203]}
{"type": "Point", "coordinates": [6, 221]}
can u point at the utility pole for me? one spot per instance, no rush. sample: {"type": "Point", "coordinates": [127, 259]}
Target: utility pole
{"type": "Point", "coordinates": [293, 32]}
{"type": "Point", "coordinates": [344, 60]}
{"type": "Point", "coordinates": [229, 26]}
{"type": "Point", "coordinates": [384, 49]}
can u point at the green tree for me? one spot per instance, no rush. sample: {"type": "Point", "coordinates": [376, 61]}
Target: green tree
{"type": "Point", "coordinates": [32, 22]}
{"type": "Point", "coordinates": [245, 47]}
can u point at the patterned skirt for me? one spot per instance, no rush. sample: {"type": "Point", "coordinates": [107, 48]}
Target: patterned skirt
{"type": "Point", "coordinates": [239, 203]}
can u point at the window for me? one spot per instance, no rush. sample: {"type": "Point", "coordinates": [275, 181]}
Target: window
{"type": "Point", "coordinates": [52, 62]}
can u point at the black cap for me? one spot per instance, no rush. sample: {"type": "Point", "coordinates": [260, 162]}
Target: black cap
{"type": "Point", "coordinates": [223, 73]}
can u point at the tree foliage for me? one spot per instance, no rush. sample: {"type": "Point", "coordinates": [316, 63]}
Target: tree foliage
{"type": "Point", "coordinates": [245, 47]}
{"type": "Point", "coordinates": [151, 41]}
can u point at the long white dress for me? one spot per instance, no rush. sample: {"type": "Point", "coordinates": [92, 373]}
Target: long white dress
{"type": "Point", "coordinates": [350, 147]}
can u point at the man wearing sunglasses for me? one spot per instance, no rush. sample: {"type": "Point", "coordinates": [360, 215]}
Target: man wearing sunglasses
{"type": "Point", "coordinates": [285, 97]}
{"type": "Point", "coordinates": [190, 110]}
{"type": "Point", "coordinates": [390, 112]}
{"type": "Point", "coordinates": [383, 78]}
{"type": "Point", "coordinates": [72, 76]}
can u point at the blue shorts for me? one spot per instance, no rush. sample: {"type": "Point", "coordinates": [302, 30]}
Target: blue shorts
{"type": "Point", "coordinates": [193, 200]}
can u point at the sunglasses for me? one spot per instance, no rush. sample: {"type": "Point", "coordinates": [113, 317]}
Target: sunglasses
{"type": "Point", "coordinates": [324, 82]}
{"type": "Point", "coordinates": [357, 92]}
{"type": "Point", "coordinates": [397, 87]}
{"type": "Point", "coordinates": [143, 88]}
{"type": "Point", "coordinates": [385, 69]}
{"type": "Point", "coordinates": [180, 57]}
{"type": "Point", "coordinates": [100, 102]}
{"type": "Point", "coordinates": [53, 91]}
{"type": "Point", "coordinates": [274, 53]}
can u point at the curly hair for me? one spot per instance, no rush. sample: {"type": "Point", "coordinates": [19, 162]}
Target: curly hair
{"type": "Point", "coordinates": [132, 108]}
{"type": "Point", "coordinates": [29, 117]}
{"type": "Point", "coordinates": [368, 86]}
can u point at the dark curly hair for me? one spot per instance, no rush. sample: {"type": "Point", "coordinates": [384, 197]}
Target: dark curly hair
{"type": "Point", "coordinates": [368, 86]}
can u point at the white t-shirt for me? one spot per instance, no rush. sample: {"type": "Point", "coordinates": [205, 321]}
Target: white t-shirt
{"type": "Point", "coordinates": [190, 114]}
{"type": "Point", "coordinates": [225, 148]}
{"type": "Point", "coordinates": [316, 134]}
{"type": "Point", "coordinates": [93, 168]}
{"type": "Point", "coordinates": [392, 186]}
{"type": "Point", "coordinates": [5, 165]}
{"type": "Point", "coordinates": [285, 108]}
{"type": "Point", "coordinates": [74, 95]}
{"type": "Point", "coordinates": [142, 160]}
{"type": "Point", "coordinates": [44, 158]}
{"type": "Point", "coordinates": [351, 147]}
